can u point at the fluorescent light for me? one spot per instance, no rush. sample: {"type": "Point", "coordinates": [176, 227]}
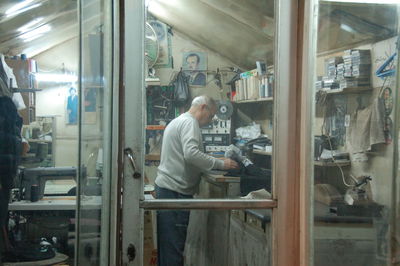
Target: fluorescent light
{"type": "Point", "coordinates": [60, 78]}
{"type": "Point", "coordinates": [33, 34]}
{"type": "Point", "coordinates": [347, 28]}
{"type": "Point", "coordinates": [21, 7]}
{"type": "Point", "coordinates": [156, 9]}
{"type": "Point", "coordinates": [383, 2]}
{"type": "Point", "coordinates": [29, 25]}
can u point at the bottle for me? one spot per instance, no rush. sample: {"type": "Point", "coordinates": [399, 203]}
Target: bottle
{"type": "Point", "coordinates": [34, 192]}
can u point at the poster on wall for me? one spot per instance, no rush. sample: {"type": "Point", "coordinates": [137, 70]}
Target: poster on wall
{"type": "Point", "coordinates": [72, 107]}
{"type": "Point", "coordinates": [195, 66]}
{"type": "Point", "coordinates": [89, 105]}
{"type": "Point", "coordinates": [164, 43]}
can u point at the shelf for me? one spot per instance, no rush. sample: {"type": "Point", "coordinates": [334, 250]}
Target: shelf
{"type": "Point", "coordinates": [25, 90]}
{"type": "Point", "coordinates": [153, 82]}
{"type": "Point", "coordinates": [348, 90]}
{"type": "Point", "coordinates": [155, 127]}
{"type": "Point", "coordinates": [262, 152]}
{"type": "Point", "coordinates": [39, 140]}
{"type": "Point", "coordinates": [152, 157]}
{"type": "Point", "coordinates": [93, 86]}
{"type": "Point", "coordinates": [269, 99]}
{"type": "Point", "coordinates": [340, 163]}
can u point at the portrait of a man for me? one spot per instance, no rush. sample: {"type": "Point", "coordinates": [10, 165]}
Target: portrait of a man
{"type": "Point", "coordinates": [72, 106]}
{"type": "Point", "coordinates": [195, 64]}
{"type": "Point", "coordinates": [90, 100]}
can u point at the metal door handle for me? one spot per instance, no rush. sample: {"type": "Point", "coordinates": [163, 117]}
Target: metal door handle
{"type": "Point", "coordinates": [129, 153]}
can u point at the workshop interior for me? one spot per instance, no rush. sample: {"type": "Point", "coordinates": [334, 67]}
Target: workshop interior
{"type": "Point", "coordinates": [59, 104]}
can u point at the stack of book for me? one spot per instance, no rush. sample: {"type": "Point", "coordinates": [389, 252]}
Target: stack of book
{"type": "Point", "coordinates": [357, 69]}
{"type": "Point", "coordinates": [353, 69]}
{"type": "Point", "coordinates": [331, 66]}
{"type": "Point", "coordinates": [329, 83]}
{"type": "Point", "coordinates": [253, 86]}
{"type": "Point", "coordinates": [319, 84]}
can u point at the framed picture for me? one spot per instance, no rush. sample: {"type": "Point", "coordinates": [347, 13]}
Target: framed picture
{"type": "Point", "coordinates": [195, 66]}
{"type": "Point", "coordinates": [89, 105]}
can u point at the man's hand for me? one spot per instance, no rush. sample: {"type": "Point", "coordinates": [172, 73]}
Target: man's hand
{"type": "Point", "coordinates": [230, 164]}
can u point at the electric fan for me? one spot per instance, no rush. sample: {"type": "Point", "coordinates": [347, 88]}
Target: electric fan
{"type": "Point", "coordinates": [151, 46]}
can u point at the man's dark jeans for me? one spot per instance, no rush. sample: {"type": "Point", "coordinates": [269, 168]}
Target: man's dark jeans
{"type": "Point", "coordinates": [171, 230]}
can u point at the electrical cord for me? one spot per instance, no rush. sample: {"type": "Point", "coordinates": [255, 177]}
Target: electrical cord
{"type": "Point", "coordinates": [336, 163]}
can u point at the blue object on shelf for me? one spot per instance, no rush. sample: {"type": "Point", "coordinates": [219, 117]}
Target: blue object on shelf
{"type": "Point", "coordinates": [381, 72]}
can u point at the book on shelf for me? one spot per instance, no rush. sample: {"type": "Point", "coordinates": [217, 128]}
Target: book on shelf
{"type": "Point", "coordinates": [253, 86]}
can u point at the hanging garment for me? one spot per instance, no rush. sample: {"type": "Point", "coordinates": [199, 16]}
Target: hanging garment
{"type": "Point", "coordinates": [4, 82]}
{"type": "Point", "coordinates": [10, 141]}
{"type": "Point", "coordinates": [366, 127]}
{"type": "Point", "coordinates": [12, 81]}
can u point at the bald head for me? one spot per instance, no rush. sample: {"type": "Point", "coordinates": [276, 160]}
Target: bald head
{"type": "Point", "coordinates": [203, 109]}
{"type": "Point", "coordinates": [204, 99]}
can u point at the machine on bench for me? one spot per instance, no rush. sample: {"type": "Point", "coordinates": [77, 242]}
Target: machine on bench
{"type": "Point", "coordinates": [39, 176]}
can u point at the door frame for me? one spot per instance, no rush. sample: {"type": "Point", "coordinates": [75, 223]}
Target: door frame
{"type": "Point", "coordinates": [289, 201]}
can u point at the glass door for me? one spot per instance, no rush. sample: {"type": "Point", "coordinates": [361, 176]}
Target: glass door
{"type": "Point", "coordinates": [352, 124]}
{"type": "Point", "coordinates": [240, 44]}
{"type": "Point", "coordinates": [95, 225]}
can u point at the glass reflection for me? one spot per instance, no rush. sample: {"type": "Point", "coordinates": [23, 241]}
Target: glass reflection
{"type": "Point", "coordinates": [353, 134]}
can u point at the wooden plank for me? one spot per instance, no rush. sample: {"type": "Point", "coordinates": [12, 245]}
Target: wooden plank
{"type": "Point", "coordinates": [332, 164]}
{"type": "Point", "coordinates": [39, 140]}
{"type": "Point", "coordinates": [222, 178]}
{"type": "Point", "coordinates": [262, 152]}
{"type": "Point", "coordinates": [155, 127]}
{"type": "Point", "coordinates": [152, 157]}
{"type": "Point", "coordinates": [268, 99]}
{"type": "Point", "coordinates": [349, 90]}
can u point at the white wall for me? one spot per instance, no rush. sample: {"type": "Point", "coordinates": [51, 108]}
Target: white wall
{"type": "Point", "coordinates": [52, 100]}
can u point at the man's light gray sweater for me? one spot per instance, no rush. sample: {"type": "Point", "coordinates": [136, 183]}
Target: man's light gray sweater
{"type": "Point", "coordinates": [182, 156]}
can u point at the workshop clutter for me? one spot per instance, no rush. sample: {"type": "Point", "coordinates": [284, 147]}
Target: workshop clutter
{"type": "Point", "coordinates": [149, 241]}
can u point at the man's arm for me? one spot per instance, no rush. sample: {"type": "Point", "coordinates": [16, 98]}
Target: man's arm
{"type": "Point", "coordinates": [193, 155]}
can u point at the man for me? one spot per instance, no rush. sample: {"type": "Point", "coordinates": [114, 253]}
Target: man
{"type": "Point", "coordinates": [196, 77]}
{"type": "Point", "coordinates": [10, 151]}
{"type": "Point", "coordinates": [182, 161]}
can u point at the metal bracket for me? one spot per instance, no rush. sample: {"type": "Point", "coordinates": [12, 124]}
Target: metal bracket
{"type": "Point", "coordinates": [129, 153]}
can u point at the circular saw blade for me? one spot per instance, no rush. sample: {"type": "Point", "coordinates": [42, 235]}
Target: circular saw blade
{"type": "Point", "coordinates": [224, 109]}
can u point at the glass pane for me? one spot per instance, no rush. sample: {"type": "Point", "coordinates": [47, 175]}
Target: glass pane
{"type": "Point", "coordinates": [355, 213]}
{"type": "Point", "coordinates": [229, 57]}
{"type": "Point", "coordinates": [95, 134]}
{"type": "Point", "coordinates": [39, 146]}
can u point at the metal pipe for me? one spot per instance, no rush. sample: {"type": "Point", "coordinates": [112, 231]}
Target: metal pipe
{"type": "Point", "coordinates": [221, 204]}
